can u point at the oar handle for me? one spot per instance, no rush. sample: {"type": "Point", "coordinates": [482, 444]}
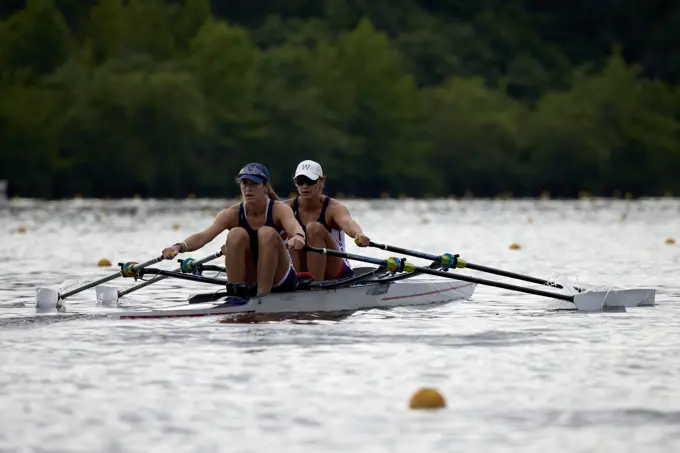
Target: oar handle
{"type": "Point", "coordinates": [409, 267]}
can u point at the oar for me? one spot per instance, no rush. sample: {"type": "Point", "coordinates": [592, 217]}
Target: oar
{"type": "Point", "coordinates": [587, 301]}
{"type": "Point", "coordinates": [108, 294]}
{"type": "Point", "coordinates": [48, 299]}
{"type": "Point", "coordinates": [449, 261]}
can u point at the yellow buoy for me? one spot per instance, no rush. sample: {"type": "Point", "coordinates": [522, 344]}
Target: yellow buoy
{"type": "Point", "coordinates": [191, 196]}
{"type": "Point", "coordinates": [21, 230]}
{"type": "Point", "coordinates": [427, 398]}
{"type": "Point", "coordinates": [78, 196]}
{"type": "Point", "coordinates": [104, 263]}
{"type": "Point", "coordinates": [628, 196]}
{"type": "Point", "coordinates": [670, 241]}
{"type": "Point", "coordinates": [545, 195]}
{"type": "Point", "coordinates": [514, 246]}
{"type": "Point", "coordinates": [176, 226]}
{"type": "Point", "coordinates": [137, 196]}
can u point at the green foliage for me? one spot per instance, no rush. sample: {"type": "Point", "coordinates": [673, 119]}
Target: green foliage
{"type": "Point", "coordinates": [36, 38]}
{"type": "Point", "coordinates": [168, 97]}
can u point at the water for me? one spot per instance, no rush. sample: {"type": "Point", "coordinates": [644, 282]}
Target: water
{"type": "Point", "coordinates": [519, 372]}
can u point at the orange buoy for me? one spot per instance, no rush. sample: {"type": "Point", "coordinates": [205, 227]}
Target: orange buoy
{"type": "Point", "coordinates": [427, 398]}
{"type": "Point", "coordinates": [176, 226]}
{"type": "Point", "coordinates": [21, 230]}
{"type": "Point", "coordinates": [104, 263]}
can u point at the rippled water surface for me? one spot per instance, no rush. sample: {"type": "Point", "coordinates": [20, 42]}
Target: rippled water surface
{"type": "Point", "coordinates": [519, 372]}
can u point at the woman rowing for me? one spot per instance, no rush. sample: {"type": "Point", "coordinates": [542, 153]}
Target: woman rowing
{"type": "Point", "coordinates": [325, 221]}
{"type": "Point", "coordinates": [254, 250]}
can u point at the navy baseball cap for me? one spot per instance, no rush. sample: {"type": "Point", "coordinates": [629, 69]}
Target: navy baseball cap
{"type": "Point", "coordinates": [255, 172]}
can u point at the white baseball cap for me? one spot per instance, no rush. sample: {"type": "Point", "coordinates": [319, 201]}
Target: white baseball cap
{"type": "Point", "coordinates": [310, 169]}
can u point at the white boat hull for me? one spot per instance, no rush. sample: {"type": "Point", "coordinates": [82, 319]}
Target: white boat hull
{"type": "Point", "coordinates": [408, 292]}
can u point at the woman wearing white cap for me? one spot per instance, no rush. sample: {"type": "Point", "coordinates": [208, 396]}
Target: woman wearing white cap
{"type": "Point", "coordinates": [325, 221]}
{"type": "Point", "coordinates": [254, 251]}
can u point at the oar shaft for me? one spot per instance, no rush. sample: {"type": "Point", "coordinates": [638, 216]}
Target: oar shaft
{"type": "Point", "coordinates": [136, 267]}
{"type": "Point", "coordinates": [469, 265]}
{"type": "Point", "coordinates": [391, 248]}
{"type": "Point", "coordinates": [426, 270]}
{"type": "Point", "coordinates": [189, 277]}
{"type": "Point", "coordinates": [163, 277]}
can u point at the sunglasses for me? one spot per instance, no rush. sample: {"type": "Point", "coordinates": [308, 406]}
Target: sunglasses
{"type": "Point", "coordinates": [302, 180]}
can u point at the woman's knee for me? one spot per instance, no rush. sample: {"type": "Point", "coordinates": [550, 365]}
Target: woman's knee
{"type": "Point", "coordinates": [315, 229]}
{"type": "Point", "coordinates": [237, 237]}
{"type": "Point", "coordinates": [268, 236]}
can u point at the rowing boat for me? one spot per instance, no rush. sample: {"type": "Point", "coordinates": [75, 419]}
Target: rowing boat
{"type": "Point", "coordinates": [361, 296]}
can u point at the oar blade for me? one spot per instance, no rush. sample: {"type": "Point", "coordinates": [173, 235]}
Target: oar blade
{"type": "Point", "coordinates": [640, 297]}
{"type": "Point", "coordinates": [106, 295]}
{"type": "Point", "coordinates": [598, 301]}
{"type": "Point", "coordinates": [614, 299]}
{"type": "Point", "coordinates": [47, 300]}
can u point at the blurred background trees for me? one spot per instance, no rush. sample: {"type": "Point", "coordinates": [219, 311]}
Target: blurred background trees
{"type": "Point", "coordinates": [424, 98]}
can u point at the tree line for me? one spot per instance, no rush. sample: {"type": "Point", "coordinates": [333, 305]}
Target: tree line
{"type": "Point", "coordinates": [112, 98]}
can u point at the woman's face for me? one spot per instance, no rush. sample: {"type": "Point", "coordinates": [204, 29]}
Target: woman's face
{"type": "Point", "coordinates": [252, 191]}
{"type": "Point", "coordinates": [307, 187]}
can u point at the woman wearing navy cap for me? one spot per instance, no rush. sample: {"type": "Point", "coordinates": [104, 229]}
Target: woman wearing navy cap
{"type": "Point", "coordinates": [254, 251]}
